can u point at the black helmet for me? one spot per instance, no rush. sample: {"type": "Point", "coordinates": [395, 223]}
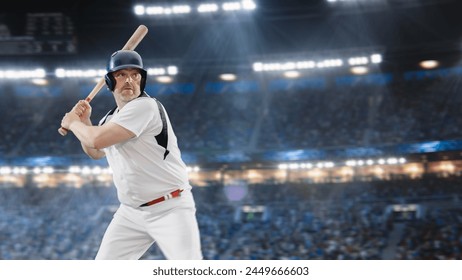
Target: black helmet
{"type": "Point", "coordinates": [124, 59]}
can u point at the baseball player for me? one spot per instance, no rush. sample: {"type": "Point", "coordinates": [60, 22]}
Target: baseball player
{"type": "Point", "coordinates": [156, 203]}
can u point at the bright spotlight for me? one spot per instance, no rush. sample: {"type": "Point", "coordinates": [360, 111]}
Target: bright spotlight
{"type": "Point", "coordinates": [248, 5]}
{"type": "Point", "coordinates": [228, 77]}
{"type": "Point", "coordinates": [292, 74]}
{"type": "Point", "coordinates": [207, 8]}
{"type": "Point", "coordinates": [429, 64]}
{"type": "Point", "coordinates": [376, 58]}
{"type": "Point", "coordinates": [164, 79]}
{"type": "Point", "coordinates": [359, 70]}
{"type": "Point", "coordinates": [139, 10]}
{"type": "Point", "coordinates": [172, 70]}
{"type": "Point", "coordinates": [231, 6]}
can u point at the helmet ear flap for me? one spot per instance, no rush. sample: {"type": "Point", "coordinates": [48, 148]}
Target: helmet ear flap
{"type": "Point", "coordinates": [144, 75]}
{"type": "Point", "coordinates": [110, 81]}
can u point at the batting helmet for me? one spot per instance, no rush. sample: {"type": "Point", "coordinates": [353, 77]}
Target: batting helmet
{"type": "Point", "coordinates": [124, 59]}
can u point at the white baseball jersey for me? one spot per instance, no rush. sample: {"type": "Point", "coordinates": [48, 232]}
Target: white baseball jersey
{"type": "Point", "coordinates": [140, 171]}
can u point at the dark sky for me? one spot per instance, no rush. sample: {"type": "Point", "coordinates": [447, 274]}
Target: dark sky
{"type": "Point", "coordinates": [403, 28]}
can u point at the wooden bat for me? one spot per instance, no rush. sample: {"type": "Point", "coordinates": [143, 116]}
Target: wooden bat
{"type": "Point", "coordinates": [131, 44]}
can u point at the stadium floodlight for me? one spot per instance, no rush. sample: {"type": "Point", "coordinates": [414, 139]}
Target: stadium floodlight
{"type": "Point", "coordinates": [429, 64]}
{"type": "Point", "coordinates": [294, 166]}
{"type": "Point", "coordinates": [74, 169]}
{"type": "Point", "coordinates": [181, 9]}
{"type": "Point", "coordinates": [154, 10]}
{"type": "Point", "coordinates": [292, 74]}
{"type": "Point", "coordinates": [156, 71]}
{"type": "Point", "coordinates": [159, 10]}
{"type": "Point", "coordinates": [79, 73]}
{"type": "Point", "coordinates": [350, 163]}
{"type": "Point", "coordinates": [283, 166]}
{"type": "Point", "coordinates": [139, 10]}
{"type": "Point", "coordinates": [359, 70]}
{"type": "Point", "coordinates": [358, 61]}
{"type": "Point", "coordinates": [257, 67]}
{"type": "Point", "coordinates": [86, 170]}
{"type": "Point", "coordinates": [306, 64]}
{"type": "Point", "coordinates": [376, 58]}
{"type": "Point", "coordinates": [23, 74]}
{"type": "Point", "coordinates": [96, 170]}
{"type": "Point", "coordinates": [193, 168]}
{"type": "Point", "coordinates": [40, 82]}
{"type": "Point", "coordinates": [5, 170]}
{"type": "Point", "coordinates": [172, 70]}
{"type": "Point", "coordinates": [207, 8]}
{"type": "Point", "coordinates": [248, 5]}
{"type": "Point", "coordinates": [161, 71]}
{"type": "Point", "coordinates": [232, 6]}
{"type": "Point", "coordinates": [353, 3]}
{"type": "Point", "coordinates": [107, 170]}
{"type": "Point", "coordinates": [228, 77]}
{"type": "Point", "coordinates": [164, 79]}
{"type": "Point", "coordinates": [392, 160]}
{"type": "Point", "coordinates": [328, 63]}
{"type": "Point", "coordinates": [284, 66]}
{"type": "Point", "coordinates": [48, 170]}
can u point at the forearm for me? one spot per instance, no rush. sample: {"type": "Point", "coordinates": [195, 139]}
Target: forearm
{"type": "Point", "coordinates": [93, 153]}
{"type": "Point", "coordinates": [86, 133]}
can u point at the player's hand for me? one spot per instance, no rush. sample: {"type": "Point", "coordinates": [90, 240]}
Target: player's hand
{"type": "Point", "coordinates": [83, 110]}
{"type": "Point", "coordinates": [68, 119]}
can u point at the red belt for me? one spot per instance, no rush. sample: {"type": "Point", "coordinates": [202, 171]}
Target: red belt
{"type": "Point", "coordinates": [175, 193]}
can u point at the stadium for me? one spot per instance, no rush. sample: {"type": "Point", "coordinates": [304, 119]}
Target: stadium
{"type": "Point", "coordinates": [312, 130]}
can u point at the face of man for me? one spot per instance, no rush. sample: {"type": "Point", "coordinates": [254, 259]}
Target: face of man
{"type": "Point", "coordinates": [127, 85]}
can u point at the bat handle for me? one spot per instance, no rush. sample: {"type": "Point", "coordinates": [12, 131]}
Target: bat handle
{"type": "Point", "coordinates": [63, 131]}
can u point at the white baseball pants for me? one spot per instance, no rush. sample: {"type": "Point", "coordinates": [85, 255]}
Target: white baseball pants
{"type": "Point", "coordinates": [171, 224]}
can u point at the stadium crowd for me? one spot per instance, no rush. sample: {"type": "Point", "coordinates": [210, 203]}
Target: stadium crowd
{"type": "Point", "coordinates": [298, 221]}
{"type": "Point", "coordinates": [297, 118]}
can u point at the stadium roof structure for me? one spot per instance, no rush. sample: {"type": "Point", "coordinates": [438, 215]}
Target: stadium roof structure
{"type": "Point", "coordinates": [410, 30]}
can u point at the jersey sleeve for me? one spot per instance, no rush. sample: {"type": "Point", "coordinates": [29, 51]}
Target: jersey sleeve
{"type": "Point", "coordinates": [137, 114]}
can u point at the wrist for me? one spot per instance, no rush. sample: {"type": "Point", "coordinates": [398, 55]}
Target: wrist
{"type": "Point", "coordinates": [72, 124]}
{"type": "Point", "coordinates": [87, 121]}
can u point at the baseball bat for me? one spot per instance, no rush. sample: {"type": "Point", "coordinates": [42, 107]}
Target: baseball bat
{"type": "Point", "coordinates": [131, 44]}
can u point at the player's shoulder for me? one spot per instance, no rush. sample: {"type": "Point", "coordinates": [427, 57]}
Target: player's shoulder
{"type": "Point", "coordinates": [144, 102]}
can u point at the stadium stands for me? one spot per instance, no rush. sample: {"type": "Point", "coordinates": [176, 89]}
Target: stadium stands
{"type": "Point", "coordinates": [302, 220]}
{"type": "Point", "coordinates": [334, 116]}
{"type": "Point", "coordinates": [325, 221]}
